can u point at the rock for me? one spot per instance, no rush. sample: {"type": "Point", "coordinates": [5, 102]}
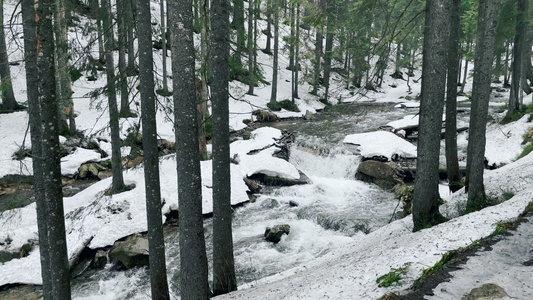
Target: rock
{"type": "Point", "coordinates": [100, 259]}
{"type": "Point", "coordinates": [80, 267]}
{"type": "Point", "coordinates": [383, 174]}
{"type": "Point", "coordinates": [269, 203]}
{"type": "Point", "coordinates": [278, 181]}
{"type": "Point", "coordinates": [274, 234]}
{"type": "Point", "coordinates": [293, 203]}
{"type": "Point", "coordinates": [265, 116]}
{"type": "Point", "coordinates": [130, 253]}
{"type": "Point", "coordinates": [165, 147]}
{"type": "Point", "coordinates": [18, 292]}
{"type": "Point", "coordinates": [90, 170]}
{"type": "Point", "coordinates": [488, 291]}
{"type": "Point", "coordinates": [130, 163]}
{"type": "Point", "coordinates": [252, 186]}
{"type": "Point", "coordinates": [308, 115]}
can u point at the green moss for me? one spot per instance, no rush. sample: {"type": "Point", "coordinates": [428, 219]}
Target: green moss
{"type": "Point", "coordinates": [517, 114]}
{"type": "Point", "coordinates": [393, 277]}
{"type": "Point", "coordinates": [285, 104]}
{"type": "Point", "coordinates": [448, 257]}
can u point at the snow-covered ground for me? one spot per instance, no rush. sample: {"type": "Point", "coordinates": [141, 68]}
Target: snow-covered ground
{"type": "Point", "coordinates": [347, 272]}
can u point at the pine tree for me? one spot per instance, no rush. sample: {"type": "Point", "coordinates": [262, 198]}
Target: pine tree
{"type": "Point", "coordinates": [6, 86]}
{"type": "Point", "coordinates": [193, 257]}
{"type": "Point", "coordinates": [156, 242]}
{"type": "Point", "coordinates": [426, 194]}
{"type": "Point", "coordinates": [487, 20]}
{"type": "Point", "coordinates": [224, 280]}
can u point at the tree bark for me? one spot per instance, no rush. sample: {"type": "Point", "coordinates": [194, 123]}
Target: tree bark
{"type": "Point", "coordinates": [8, 97]}
{"type": "Point", "coordinates": [488, 16]}
{"type": "Point", "coordinates": [296, 68]}
{"type": "Point", "coordinates": [518, 57]}
{"type": "Point", "coordinates": [193, 257]}
{"type": "Point", "coordinates": [273, 94]}
{"type": "Point", "coordinates": [117, 184]}
{"type": "Point", "coordinates": [156, 242]}
{"type": "Point", "coordinates": [57, 268]}
{"type": "Point", "coordinates": [64, 92]}
{"type": "Point", "coordinates": [426, 194]}
{"type": "Point", "coordinates": [331, 7]}
{"type": "Point", "coordinates": [224, 280]}
{"type": "Point", "coordinates": [34, 112]}
{"type": "Point", "coordinates": [452, 160]}
{"type": "Point", "coordinates": [125, 111]}
{"type": "Point", "coordinates": [251, 46]}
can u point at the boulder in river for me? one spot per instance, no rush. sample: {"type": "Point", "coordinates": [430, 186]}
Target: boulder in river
{"type": "Point", "coordinates": [274, 234]}
{"type": "Point", "coordinates": [269, 203]}
{"type": "Point", "coordinates": [130, 253]}
{"type": "Point", "coordinates": [383, 174]}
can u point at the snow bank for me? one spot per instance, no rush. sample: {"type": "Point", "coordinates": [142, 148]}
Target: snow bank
{"type": "Point", "coordinates": [381, 143]}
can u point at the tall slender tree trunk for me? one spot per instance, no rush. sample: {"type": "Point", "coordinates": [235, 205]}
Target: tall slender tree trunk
{"type": "Point", "coordinates": [130, 26]}
{"type": "Point", "coordinates": [95, 8]}
{"type": "Point", "coordinates": [515, 103]}
{"type": "Point", "coordinates": [224, 280]}
{"type": "Point", "coordinates": [156, 242]}
{"type": "Point", "coordinates": [238, 22]}
{"type": "Point", "coordinates": [203, 110]}
{"type": "Point", "coordinates": [275, 66]}
{"type": "Point", "coordinates": [64, 92]}
{"type": "Point", "coordinates": [125, 111]}
{"type": "Point", "coordinates": [506, 68]}
{"type": "Point", "coordinates": [487, 20]}
{"type": "Point", "coordinates": [6, 86]}
{"type": "Point", "coordinates": [292, 38]}
{"type": "Point", "coordinates": [296, 68]}
{"type": "Point", "coordinates": [452, 160]}
{"type": "Point", "coordinates": [164, 45]}
{"type": "Point", "coordinates": [117, 185]}
{"type": "Point", "coordinates": [34, 112]}
{"type": "Point", "coordinates": [251, 46]}
{"type": "Point", "coordinates": [269, 25]}
{"type": "Point", "coordinates": [58, 267]}
{"type": "Point", "coordinates": [331, 8]}
{"type": "Point", "coordinates": [426, 195]}
{"type": "Point", "coordinates": [465, 73]}
{"type": "Point", "coordinates": [193, 258]}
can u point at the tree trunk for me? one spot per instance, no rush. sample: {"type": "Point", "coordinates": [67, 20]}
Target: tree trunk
{"type": "Point", "coordinates": [488, 16]}
{"type": "Point", "coordinates": [426, 195]}
{"type": "Point", "coordinates": [203, 110]}
{"type": "Point", "coordinates": [251, 46]}
{"type": "Point", "coordinates": [518, 57]}
{"type": "Point", "coordinates": [273, 94]}
{"type": "Point", "coordinates": [193, 257]}
{"type": "Point", "coordinates": [64, 92]}
{"type": "Point", "coordinates": [117, 185]}
{"type": "Point", "coordinates": [130, 26]}
{"type": "Point", "coordinates": [164, 46]}
{"type": "Point", "coordinates": [269, 26]}
{"type": "Point", "coordinates": [224, 280]}
{"type": "Point", "coordinates": [6, 86]}
{"type": "Point", "coordinates": [57, 268]}
{"type": "Point", "coordinates": [331, 8]}
{"type": "Point", "coordinates": [34, 112]}
{"type": "Point", "coordinates": [452, 161]}
{"type": "Point", "coordinates": [465, 73]}
{"type": "Point", "coordinates": [125, 111]}
{"type": "Point", "coordinates": [238, 22]}
{"type": "Point", "coordinates": [296, 55]}
{"type": "Point", "coordinates": [156, 242]}
{"type": "Point", "coordinates": [292, 38]}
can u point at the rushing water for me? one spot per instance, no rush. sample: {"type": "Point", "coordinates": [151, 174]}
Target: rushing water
{"type": "Point", "coordinates": [331, 211]}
